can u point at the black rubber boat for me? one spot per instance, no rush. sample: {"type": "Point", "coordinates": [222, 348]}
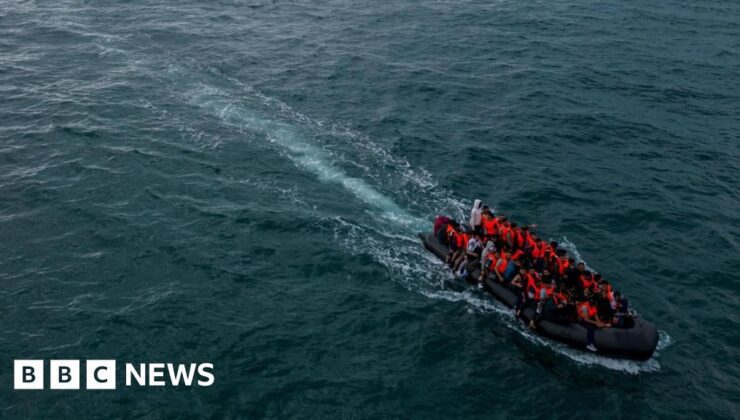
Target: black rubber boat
{"type": "Point", "coordinates": [636, 343]}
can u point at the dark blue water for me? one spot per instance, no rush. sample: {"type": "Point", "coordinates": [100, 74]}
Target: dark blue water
{"type": "Point", "coordinates": [241, 183]}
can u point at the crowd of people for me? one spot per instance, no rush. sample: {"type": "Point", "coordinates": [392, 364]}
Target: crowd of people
{"type": "Point", "coordinates": [541, 273]}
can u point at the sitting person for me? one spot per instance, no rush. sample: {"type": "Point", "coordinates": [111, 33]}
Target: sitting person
{"type": "Point", "coordinates": [623, 317]}
{"type": "Point", "coordinates": [604, 305]}
{"type": "Point", "coordinates": [471, 253]}
{"type": "Point", "coordinates": [545, 294]}
{"type": "Point", "coordinates": [531, 292]}
{"type": "Point", "coordinates": [500, 268]}
{"type": "Point", "coordinates": [488, 264]}
{"type": "Point", "coordinates": [452, 242]}
{"type": "Point", "coordinates": [589, 318]}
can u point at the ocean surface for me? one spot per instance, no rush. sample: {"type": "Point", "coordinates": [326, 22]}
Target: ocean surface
{"type": "Point", "coordinates": [241, 183]}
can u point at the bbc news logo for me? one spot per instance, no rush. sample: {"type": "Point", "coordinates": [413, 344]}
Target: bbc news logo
{"type": "Point", "coordinates": [101, 374]}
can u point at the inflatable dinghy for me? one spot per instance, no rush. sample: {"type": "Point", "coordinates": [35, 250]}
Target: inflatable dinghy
{"type": "Point", "coordinates": [636, 343]}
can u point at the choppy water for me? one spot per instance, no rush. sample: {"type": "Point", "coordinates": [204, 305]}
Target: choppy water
{"type": "Point", "coordinates": [241, 182]}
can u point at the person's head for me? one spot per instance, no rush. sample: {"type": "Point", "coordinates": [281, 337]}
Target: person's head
{"type": "Point", "coordinates": [525, 229]}
{"type": "Point", "coordinates": [604, 292]}
{"type": "Point", "coordinates": [535, 238]}
{"type": "Point", "coordinates": [571, 261]}
{"type": "Point", "coordinates": [597, 278]}
{"type": "Point", "coordinates": [518, 263]}
{"type": "Point", "coordinates": [522, 271]}
{"type": "Point", "coordinates": [513, 225]}
{"type": "Point", "coordinates": [485, 208]}
{"type": "Point", "coordinates": [581, 267]}
{"type": "Point", "coordinates": [554, 244]}
{"type": "Point", "coordinates": [546, 272]}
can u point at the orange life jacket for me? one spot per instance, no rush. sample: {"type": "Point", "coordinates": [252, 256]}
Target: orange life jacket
{"type": "Point", "coordinates": [502, 267]}
{"type": "Point", "coordinates": [587, 280]}
{"type": "Point", "coordinates": [538, 251]}
{"type": "Point", "coordinates": [532, 285]}
{"type": "Point", "coordinates": [517, 239]}
{"type": "Point", "coordinates": [489, 224]}
{"type": "Point", "coordinates": [503, 232]}
{"type": "Point", "coordinates": [531, 244]}
{"type": "Point", "coordinates": [462, 240]}
{"type": "Point", "coordinates": [559, 297]}
{"type": "Point", "coordinates": [517, 254]}
{"type": "Point", "coordinates": [589, 308]}
{"type": "Point", "coordinates": [563, 265]}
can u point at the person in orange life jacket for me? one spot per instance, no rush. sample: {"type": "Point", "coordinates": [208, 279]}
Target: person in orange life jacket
{"type": "Point", "coordinates": [518, 254]}
{"type": "Point", "coordinates": [552, 305]}
{"type": "Point", "coordinates": [604, 303]}
{"type": "Point", "coordinates": [461, 239]}
{"type": "Point", "coordinates": [489, 262]}
{"type": "Point", "coordinates": [585, 277]}
{"type": "Point", "coordinates": [472, 253]}
{"type": "Point", "coordinates": [551, 251]}
{"type": "Point", "coordinates": [563, 262]}
{"type": "Point", "coordinates": [490, 223]}
{"type": "Point", "coordinates": [514, 239]}
{"type": "Point", "coordinates": [545, 303]}
{"type": "Point", "coordinates": [532, 285]}
{"type": "Point", "coordinates": [501, 264]}
{"type": "Point", "coordinates": [589, 319]}
{"type": "Point", "coordinates": [452, 241]}
{"type": "Point", "coordinates": [486, 255]}
{"type": "Point", "coordinates": [530, 241]}
{"type": "Point", "coordinates": [538, 254]}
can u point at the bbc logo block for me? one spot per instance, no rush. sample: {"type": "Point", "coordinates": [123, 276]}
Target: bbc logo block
{"type": "Point", "coordinates": [101, 374]}
{"type": "Point", "coordinates": [28, 374]}
{"type": "Point", "coordinates": [64, 374]}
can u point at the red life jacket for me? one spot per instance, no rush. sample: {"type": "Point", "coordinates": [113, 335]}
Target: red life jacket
{"type": "Point", "coordinates": [538, 251]}
{"type": "Point", "coordinates": [532, 285]}
{"type": "Point", "coordinates": [559, 298]}
{"type": "Point", "coordinates": [502, 267]}
{"type": "Point", "coordinates": [517, 239]}
{"type": "Point", "coordinates": [563, 265]}
{"type": "Point", "coordinates": [531, 244]}
{"type": "Point", "coordinates": [587, 280]}
{"type": "Point", "coordinates": [517, 254]}
{"type": "Point", "coordinates": [462, 240]}
{"type": "Point", "coordinates": [591, 310]}
{"type": "Point", "coordinates": [503, 232]}
{"type": "Point", "coordinates": [489, 225]}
